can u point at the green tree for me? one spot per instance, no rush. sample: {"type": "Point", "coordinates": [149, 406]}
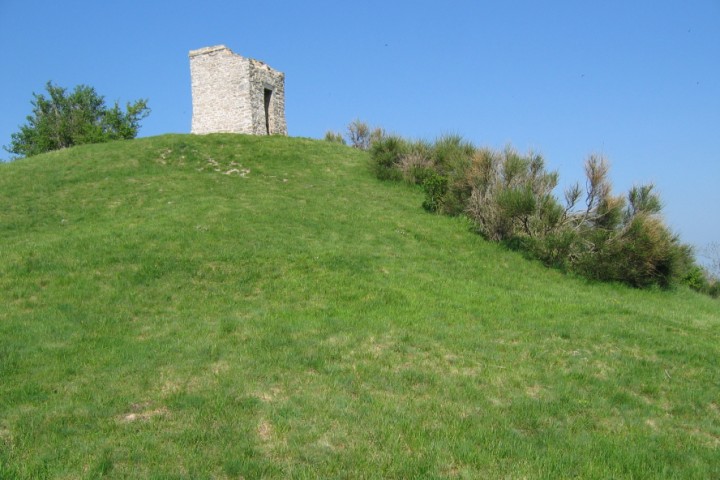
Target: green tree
{"type": "Point", "coordinates": [62, 119]}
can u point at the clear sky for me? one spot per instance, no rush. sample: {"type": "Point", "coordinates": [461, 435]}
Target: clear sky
{"type": "Point", "coordinates": [635, 80]}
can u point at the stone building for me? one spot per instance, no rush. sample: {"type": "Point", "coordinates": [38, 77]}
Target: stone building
{"type": "Point", "coordinates": [234, 94]}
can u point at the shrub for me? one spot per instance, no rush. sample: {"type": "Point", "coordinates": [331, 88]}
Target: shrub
{"type": "Point", "coordinates": [452, 157]}
{"type": "Point", "coordinates": [558, 249]}
{"type": "Point", "coordinates": [376, 135]}
{"type": "Point", "coordinates": [416, 163]}
{"type": "Point", "coordinates": [511, 195]}
{"type": "Point", "coordinates": [697, 279]}
{"type": "Point", "coordinates": [386, 155]}
{"type": "Point", "coordinates": [510, 198]}
{"type": "Point", "coordinates": [435, 187]}
{"type": "Point", "coordinates": [640, 251]}
{"type": "Point", "coordinates": [643, 253]}
{"type": "Point", "coordinates": [334, 137]}
{"type": "Point", "coordinates": [702, 280]}
{"type": "Point", "coordinates": [452, 152]}
{"type": "Point", "coordinates": [361, 136]}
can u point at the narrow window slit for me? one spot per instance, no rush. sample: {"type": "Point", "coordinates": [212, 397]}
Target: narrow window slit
{"type": "Point", "coordinates": [268, 96]}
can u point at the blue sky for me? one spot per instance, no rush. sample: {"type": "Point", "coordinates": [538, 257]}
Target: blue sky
{"type": "Point", "coordinates": [637, 81]}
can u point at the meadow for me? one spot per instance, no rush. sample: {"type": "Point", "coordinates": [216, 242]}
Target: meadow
{"type": "Point", "coordinates": [227, 306]}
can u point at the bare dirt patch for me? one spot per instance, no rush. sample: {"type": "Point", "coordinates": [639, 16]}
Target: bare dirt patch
{"type": "Point", "coordinates": [143, 413]}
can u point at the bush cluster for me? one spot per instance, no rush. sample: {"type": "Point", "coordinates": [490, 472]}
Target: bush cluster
{"type": "Point", "coordinates": [703, 281]}
{"type": "Point", "coordinates": [510, 197]}
{"type": "Point", "coordinates": [359, 134]}
{"type": "Point", "coordinates": [334, 137]}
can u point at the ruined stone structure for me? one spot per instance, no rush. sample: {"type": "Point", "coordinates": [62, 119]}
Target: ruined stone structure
{"type": "Point", "coordinates": [234, 94]}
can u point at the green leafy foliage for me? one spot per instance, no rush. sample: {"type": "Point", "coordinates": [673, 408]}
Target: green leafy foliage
{"type": "Point", "coordinates": [706, 279]}
{"type": "Point", "coordinates": [452, 157]}
{"type": "Point", "coordinates": [511, 199]}
{"type": "Point", "coordinates": [642, 253]}
{"type": "Point", "coordinates": [63, 119]}
{"type": "Point", "coordinates": [334, 137]}
{"type": "Point", "coordinates": [435, 187]}
{"type": "Point", "coordinates": [386, 154]}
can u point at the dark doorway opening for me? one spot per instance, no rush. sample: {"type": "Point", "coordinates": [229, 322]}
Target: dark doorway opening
{"type": "Point", "coordinates": [268, 96]}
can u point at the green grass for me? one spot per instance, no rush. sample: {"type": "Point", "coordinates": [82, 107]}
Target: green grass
{"type": "Point", "coordinates": [297, 318]}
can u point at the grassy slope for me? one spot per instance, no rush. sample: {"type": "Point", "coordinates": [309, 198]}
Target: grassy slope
{"type": "Point", "coordinates": [163, 319]}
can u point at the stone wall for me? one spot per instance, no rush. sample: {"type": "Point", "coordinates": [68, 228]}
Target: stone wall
{"type": "Point", "coordinates": [234, 94]}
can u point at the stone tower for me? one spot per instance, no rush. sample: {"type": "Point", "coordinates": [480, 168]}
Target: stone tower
{"type": "Point", "coordinates": [234, 94]}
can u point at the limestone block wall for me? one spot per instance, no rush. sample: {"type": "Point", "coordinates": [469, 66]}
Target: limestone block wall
{"type": "Point", "coordinates": [267, 99]}
{"type": "Point", "coordinates": [234, 94]}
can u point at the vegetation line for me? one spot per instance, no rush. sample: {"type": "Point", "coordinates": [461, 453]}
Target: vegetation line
{"type": "Point", "coordinates": [510, 197]}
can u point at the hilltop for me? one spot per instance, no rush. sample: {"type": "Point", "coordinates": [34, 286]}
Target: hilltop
{"type": "Point", "coordinates": [229, 306]}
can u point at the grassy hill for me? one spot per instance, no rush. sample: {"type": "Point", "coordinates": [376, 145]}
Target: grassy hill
{"type": "Point", "coordinates": [241, 307]}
